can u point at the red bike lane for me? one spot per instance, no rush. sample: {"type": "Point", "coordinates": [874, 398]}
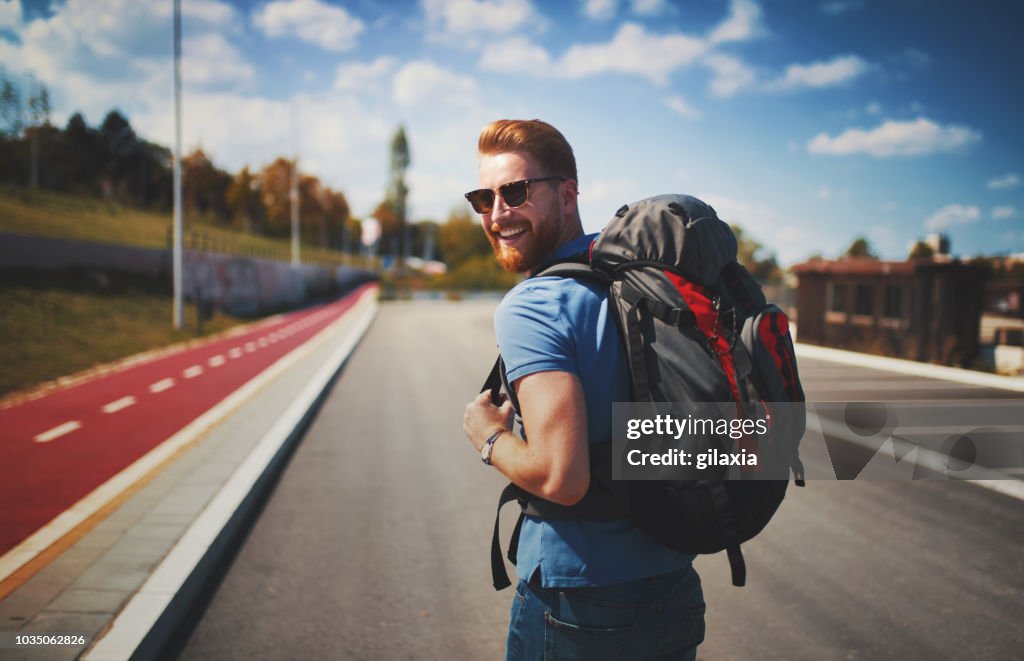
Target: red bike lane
{"type": "Point", "coordinates": [58, 448]}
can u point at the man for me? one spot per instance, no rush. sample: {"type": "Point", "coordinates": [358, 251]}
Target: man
{"type": "Point", "coordinates": [587, 589]}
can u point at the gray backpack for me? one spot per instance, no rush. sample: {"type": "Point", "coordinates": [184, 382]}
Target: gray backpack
{"type": "Point", "coordinates": [696, 328]}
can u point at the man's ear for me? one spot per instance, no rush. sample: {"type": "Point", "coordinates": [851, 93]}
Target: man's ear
{"type": "Point", "coordinates": [570, 196]}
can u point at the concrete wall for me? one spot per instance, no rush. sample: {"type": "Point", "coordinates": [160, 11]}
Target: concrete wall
{"type": "Point", "coordinates": [243, 286]}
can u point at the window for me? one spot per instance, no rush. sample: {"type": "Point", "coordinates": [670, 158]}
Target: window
{"type": "Point", "coordinates": [893, 301]}
{"type": "Point", "coordinates": [837, 298]}
{"type": "Point", "coordinates": [864, 301]}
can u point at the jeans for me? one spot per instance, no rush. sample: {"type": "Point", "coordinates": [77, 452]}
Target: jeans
{"type": "Point", "coordinates": [661, 617]}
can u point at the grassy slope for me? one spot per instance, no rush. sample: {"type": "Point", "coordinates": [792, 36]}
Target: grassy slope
{"type": "Point", "coordinates": [59, 323]}
{"type": "Point", "coordinates": [72, 217]}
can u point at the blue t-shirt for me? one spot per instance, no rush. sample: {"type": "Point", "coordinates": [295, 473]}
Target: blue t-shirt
{"type": "Point", "coordinates": [562, 324]}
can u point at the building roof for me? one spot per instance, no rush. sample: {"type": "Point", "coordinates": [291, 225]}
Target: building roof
{"type": "Point", "coordinates": [857, 266]}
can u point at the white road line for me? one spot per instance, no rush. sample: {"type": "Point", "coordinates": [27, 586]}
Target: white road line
{"type": "Point", "coordinates": [192, 372]}
{"type": "Point", "coordinates": [262, 342]}
{"type": "Point", "coordinates": [140, 614]}
{"type": "Point", "coordinates": [162, 385]}
{"type": "Point", "coordinates": [58, 431]}
{"type": "Point", "coordinates": [217, 361]}
{"type": "Point", "coordinates": [115, 406]}
{"type": "Point", "coordinates": [235, 353]}
{"type": "Point", "coordinates": [250, 347]}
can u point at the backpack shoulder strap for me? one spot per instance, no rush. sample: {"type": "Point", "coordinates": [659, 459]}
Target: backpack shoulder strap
{"type": "Point", "coordinates": [576, 270]}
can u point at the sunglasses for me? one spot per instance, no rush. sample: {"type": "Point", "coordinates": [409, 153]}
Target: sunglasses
{"type": "Point", "coordinates": [515, 194]}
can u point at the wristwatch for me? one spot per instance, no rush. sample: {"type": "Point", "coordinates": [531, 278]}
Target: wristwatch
{"type": "Point", "coordinates": [488, 447]}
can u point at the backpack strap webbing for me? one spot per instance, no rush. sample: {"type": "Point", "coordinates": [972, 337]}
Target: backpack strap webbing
{"type": "Point", "coordinates": [727, 525]}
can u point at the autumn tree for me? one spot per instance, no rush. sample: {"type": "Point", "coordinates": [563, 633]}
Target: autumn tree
{"type": "Point", "coordinates": [205, 187]}
{"type": "Point", "coordinates": [244, 201]}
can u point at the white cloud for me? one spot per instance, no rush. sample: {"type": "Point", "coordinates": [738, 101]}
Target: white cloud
{"type": "Point", "coordinates": [94, 59]}
{"type": "Point", "coordinates": [684, 109]}
{"type": "Point", "coordinates": [208, 59]}
{"type": "Point", "coordinates": [1004, 212]}
{"type": "Point", "coordinates": [743, 23]}
{"type": "Point", "coordinates": [1008, 181]}
{"type": "Point", "coordinates": [517, 54]}
{"type": "Point", "coordinates": [952, 214]}
{"type": "Point", "coordinates": [649, 7]}
{"type": "Point", "coordinates": [599, 10]}
{"type": "Point", "coordinates": [633, 50]}
{"type": "Point", "coordinates": [422, 83]}
{"type": "Point", "coordinates": [357, 76]}
{"type": "Point", "coordinates": [463, 21]}
{"type": "Point", "coordinates": [897, 138]}
{"type": "Point", "coordinates": [10, 14]}
{"type": "Point", "coordinates": [840, 69]}
{"type": "Point", "coordinates": [329, 27]}
{"type": "Point", "coordinates": [730, 75]}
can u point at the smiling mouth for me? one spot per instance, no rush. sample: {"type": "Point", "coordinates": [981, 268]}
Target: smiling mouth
{"type": "Point", "coordinates": [508, 233]}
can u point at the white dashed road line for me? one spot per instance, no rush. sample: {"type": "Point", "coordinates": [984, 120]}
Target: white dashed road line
{"type": "Point", "coordinates": [58, 431]}
{"type": "Point", "coordinates": [235, 353]}
{"type": "Point", "coordinates": [162, 385]}
{"type": "Point", "coordinates": [217, 361]}
{"type": "Point", "coordinates": [115, 406]}
{"type": "Point", "coordinates": [192, 372]}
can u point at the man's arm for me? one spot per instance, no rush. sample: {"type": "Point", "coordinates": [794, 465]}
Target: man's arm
{"type": "Point", "coordinates": [555, 461]}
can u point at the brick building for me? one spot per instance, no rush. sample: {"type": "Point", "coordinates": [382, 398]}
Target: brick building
{"type": "Point", "coordinates": [921, 309]}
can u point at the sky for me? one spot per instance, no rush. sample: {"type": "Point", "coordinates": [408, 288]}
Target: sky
{"type": "Point", "coordinates": [807, 122]}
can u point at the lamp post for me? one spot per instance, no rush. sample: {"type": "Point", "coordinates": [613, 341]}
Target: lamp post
{"type": "Point", "coordinates": [177, 251]}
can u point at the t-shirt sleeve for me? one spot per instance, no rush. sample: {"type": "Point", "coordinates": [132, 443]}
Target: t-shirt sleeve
{"type": "Point", "coordinates": [532, 333]}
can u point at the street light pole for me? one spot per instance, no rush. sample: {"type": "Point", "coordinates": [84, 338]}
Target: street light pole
{"type": "Point", "coordinates": [176, 259]}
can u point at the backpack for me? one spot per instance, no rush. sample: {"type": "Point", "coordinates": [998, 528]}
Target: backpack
{"type": "Point", "coordinates": [696, 328]}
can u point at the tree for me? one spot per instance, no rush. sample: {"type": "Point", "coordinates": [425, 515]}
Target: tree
{"type": "Point", "coordinates": [860, 248]}
{"type": "Point", "coordinates": [205, 186]}
{"type": "Point", "coordinates": [398, 192]}
{"type": "Point", "coordinates": [10, 107]}
{"type": "Point", "coordinates": [755, 258]}
{"type": "Point", "coordinates": [244, 201]}
{"type": "Point", "coordinates": [921, 250]}
{"type": "Point", "coordinates": [275, 184]}
{"type": "Point", "coordinates": [39, 116]}
{"type": "Point", "coordinates": [460, 239]}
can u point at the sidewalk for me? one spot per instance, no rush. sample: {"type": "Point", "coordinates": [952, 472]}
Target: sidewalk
{"type": "Point", "coordinates": [124, 580]}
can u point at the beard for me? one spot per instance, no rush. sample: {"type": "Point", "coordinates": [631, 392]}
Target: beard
{"type": "Point", "coordinates": [541, 239]}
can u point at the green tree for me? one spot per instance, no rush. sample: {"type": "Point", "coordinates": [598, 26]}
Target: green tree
{"type": "Point", "coordinates": [921, 250]}
{"type": "Point", "coordinates": [11, 112]}
{"type": "Point", "coordinates": [761, 263]}
{"type": "Point", "coordinates": [39, 117]}
{"type": "Point", "coordinates": [861, 248]}
{"type": "Point", "coordinates": [398, 191]}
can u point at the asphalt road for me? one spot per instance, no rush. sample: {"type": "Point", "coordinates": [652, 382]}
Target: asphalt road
{"type": "Point", "coordinates": [375, 543]}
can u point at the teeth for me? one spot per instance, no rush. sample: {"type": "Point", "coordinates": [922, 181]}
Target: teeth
{"type": "Point", "coordinates": [509, 233]}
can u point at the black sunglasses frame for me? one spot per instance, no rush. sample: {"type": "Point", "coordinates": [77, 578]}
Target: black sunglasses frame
{"type": "Point", "coordinates": [486, 205]}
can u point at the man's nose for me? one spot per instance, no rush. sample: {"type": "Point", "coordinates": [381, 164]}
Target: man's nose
{"type": "Point", "coordinates": [499, 208]}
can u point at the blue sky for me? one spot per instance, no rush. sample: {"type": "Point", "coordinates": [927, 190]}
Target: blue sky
{"type": "Point", "coordinates": [808, 123]}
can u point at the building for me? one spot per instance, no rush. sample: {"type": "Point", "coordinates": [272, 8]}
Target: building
{"type": "Point", "coordinates": [922, 309]}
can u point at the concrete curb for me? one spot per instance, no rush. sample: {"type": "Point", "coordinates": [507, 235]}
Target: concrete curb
{"type": "Point", "coordinates": [967, 377]}
{"type": "Point", "coordinates": [144, 627]}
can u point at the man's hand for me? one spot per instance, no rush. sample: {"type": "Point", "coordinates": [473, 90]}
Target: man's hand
{"type": "Point", "coordinates": [483, 418]}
